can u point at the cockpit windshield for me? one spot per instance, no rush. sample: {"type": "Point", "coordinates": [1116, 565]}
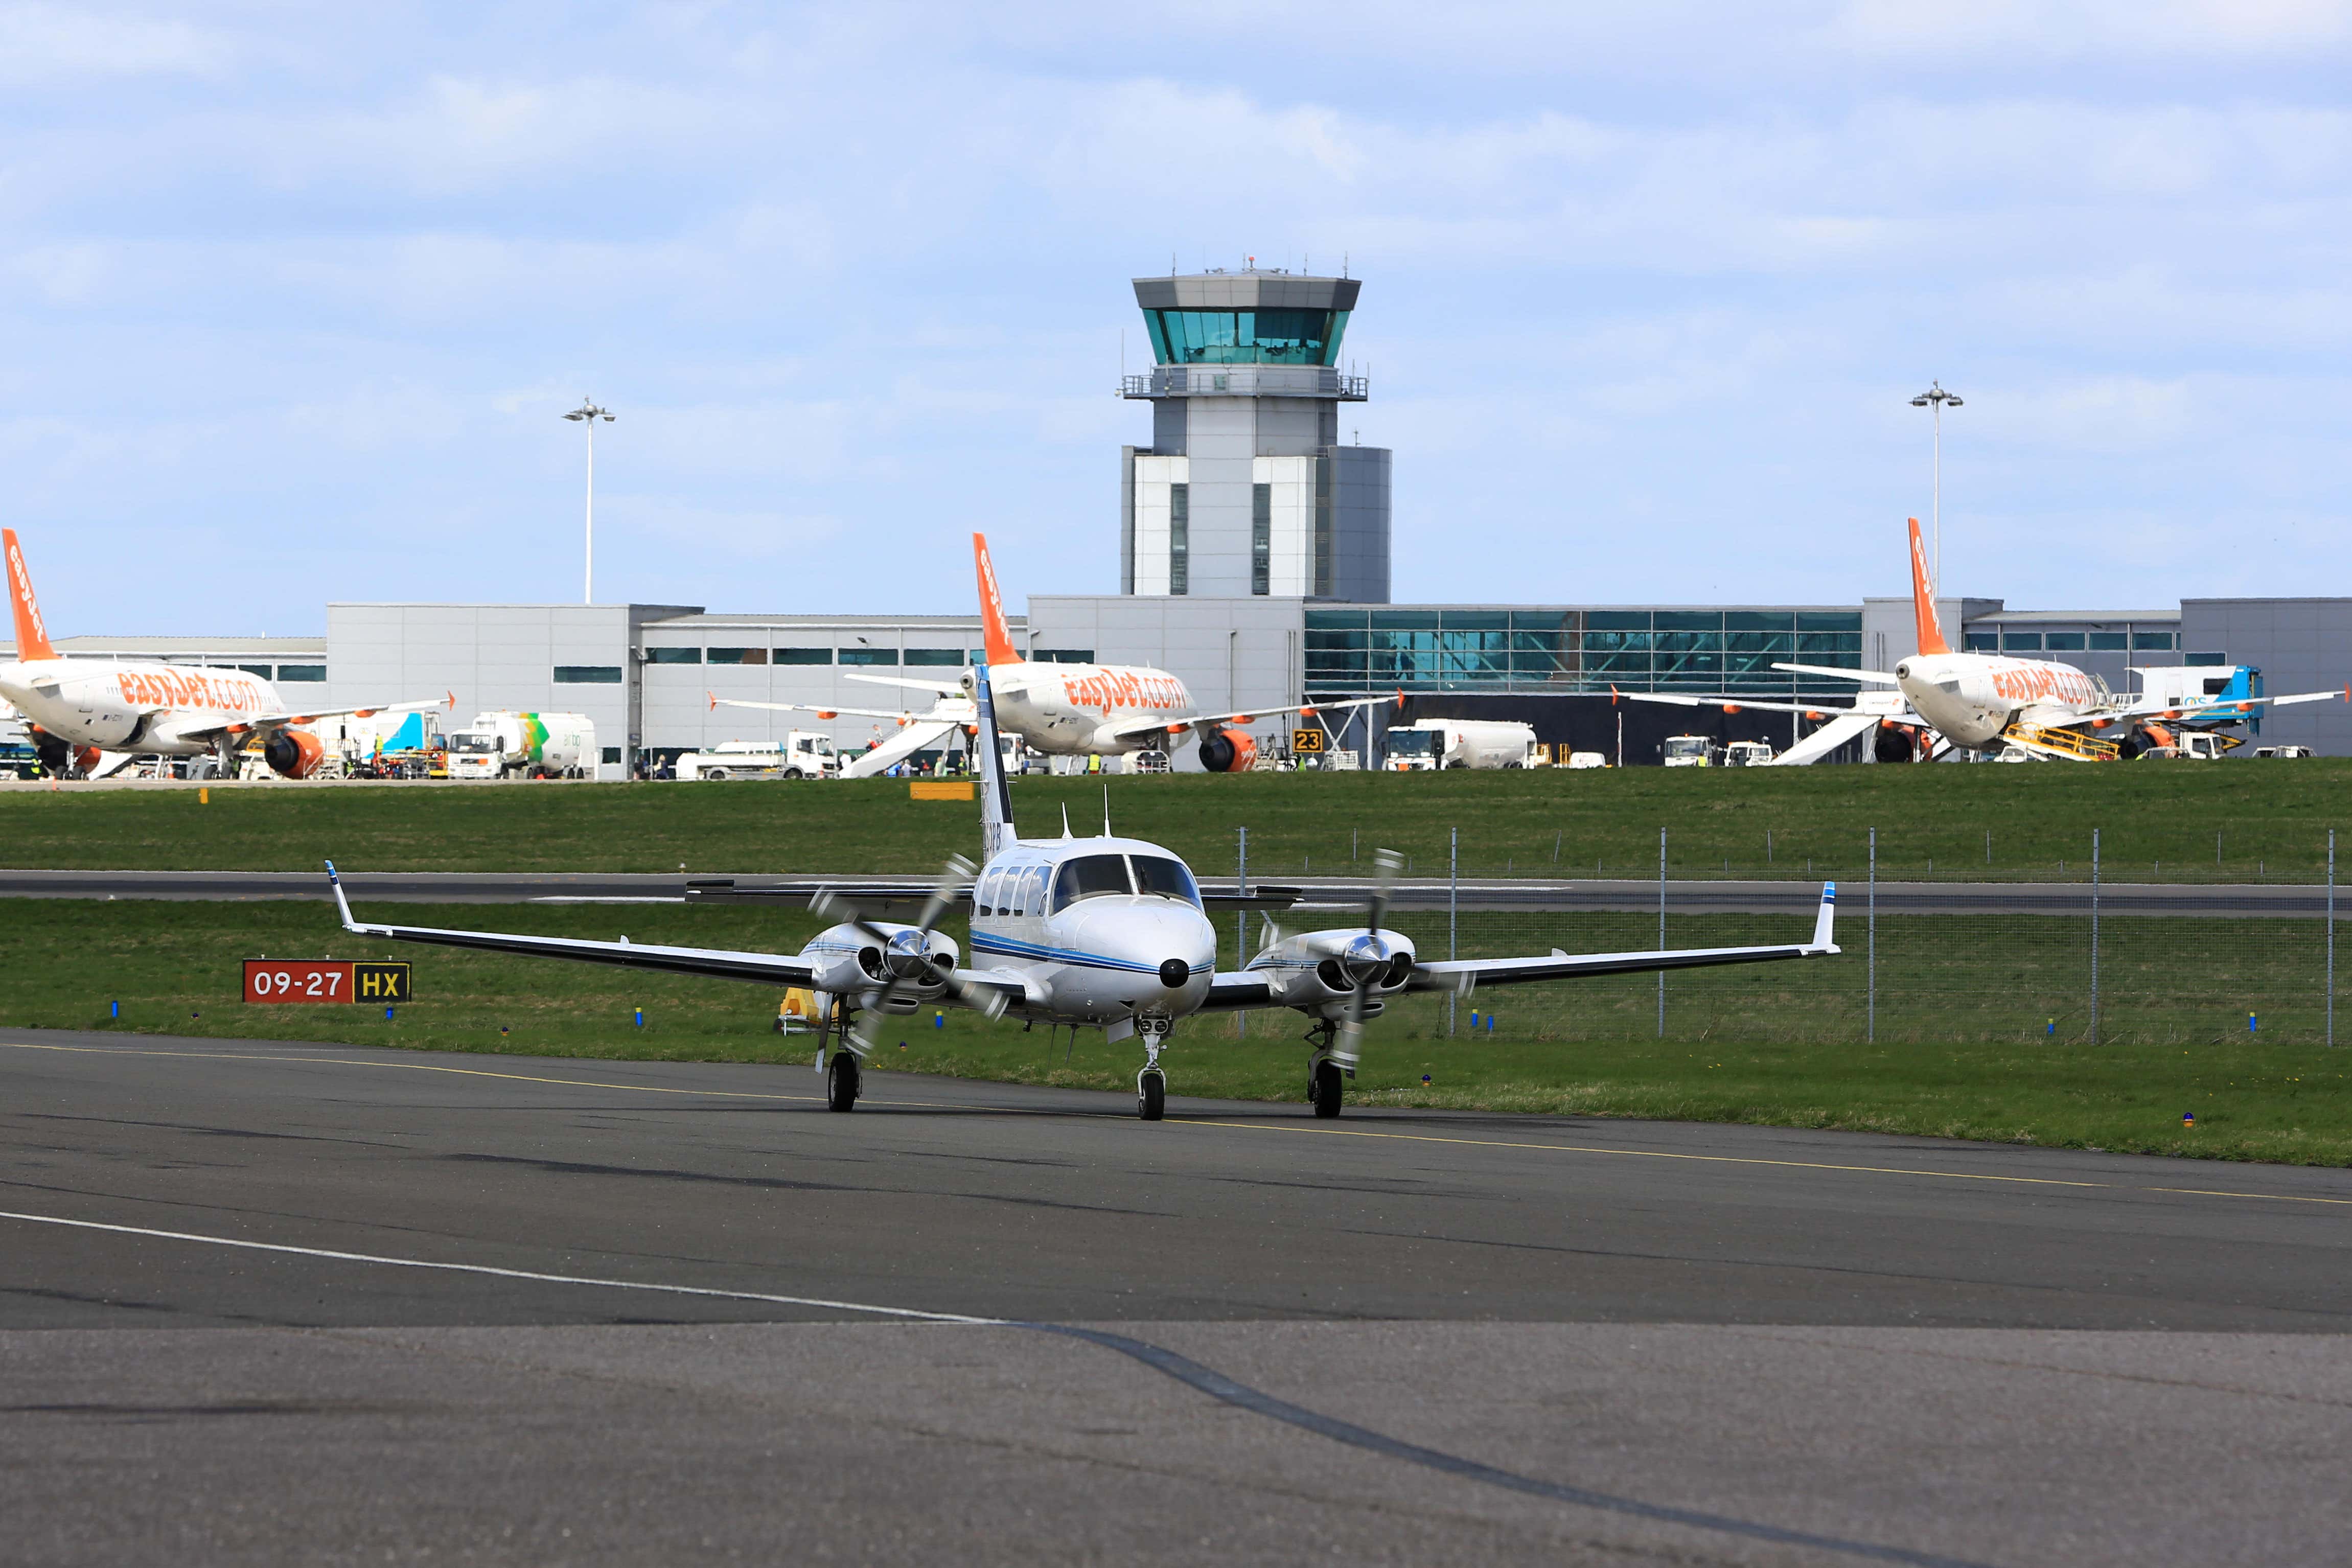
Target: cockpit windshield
{"type": "Point", "coordinates": [1087, 877]}
{"type": "Point", "coordinates": [1167, 877]}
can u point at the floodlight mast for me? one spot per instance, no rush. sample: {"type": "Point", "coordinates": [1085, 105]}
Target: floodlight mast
{"type": "Point", "coordinates": [587, 414]}
{"type": "Point", "coordinates": [1935, 397]}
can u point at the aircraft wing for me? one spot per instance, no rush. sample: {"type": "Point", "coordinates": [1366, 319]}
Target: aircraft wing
{"type": "Point", "coordinates": [1845, 727]}
{"type": "Point", "coordinates": [1463, 976]}
{"type": "Point", "coordinates": [269, 722]}
{"type": "Point", "coordinates": [1201, 721]}
{"type": "Point", "coordinates": [1878, 705]}
{"type": "Point", "coordinates": [1867, 677]}
{"type": "Point", "coordinates": [2217, 712]}
{"type": "Point", "coordinates": [944, 688]}
{"type": "Point", "coordinates": [764, 968]}
{"type": "Point", "coordinates": [824, 711]}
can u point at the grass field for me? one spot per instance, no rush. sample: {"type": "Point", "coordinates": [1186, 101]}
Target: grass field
{"type": "Point", "coordinates": [2173, 820]}
{"type": "Point", "coordinates": [1963, 1047]}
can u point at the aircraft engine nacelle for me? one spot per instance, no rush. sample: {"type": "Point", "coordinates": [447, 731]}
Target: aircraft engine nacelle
{"type": "Point", "coordinates": [1896, 743]}
{"type": "Point", "coordinates": [1228, 752]}
{"type": "Point", "coordinates": [1322, 968]}
{"type": "Point", "coordinates": [848, 961]}
{"type": "Point", "coordinates": [293, 754]}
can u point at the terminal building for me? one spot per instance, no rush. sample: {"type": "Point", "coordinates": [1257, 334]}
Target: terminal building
{"type": "Point", "coordinates": [1254, 564]}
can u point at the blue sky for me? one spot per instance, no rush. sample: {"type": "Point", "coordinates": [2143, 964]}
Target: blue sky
{"type": "Point", "coordinates": [293, 295]}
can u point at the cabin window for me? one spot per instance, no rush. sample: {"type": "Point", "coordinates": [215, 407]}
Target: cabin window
{"type": "Point", "coordinates": [1032, 892]}
{"type": "Point", "coordinates": [1087, 877]}
{"type": "Point", "coordinates": [1167, 877]}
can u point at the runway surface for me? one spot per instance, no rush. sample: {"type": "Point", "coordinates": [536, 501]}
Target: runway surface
{"type": "Point", "coordinates": [521, 1310]}
{"type": "Point", "coordinates": [1694, 896]}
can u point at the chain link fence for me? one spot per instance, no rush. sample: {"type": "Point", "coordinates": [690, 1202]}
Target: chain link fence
{"type": "Point", "coordinates": [2091, 961]}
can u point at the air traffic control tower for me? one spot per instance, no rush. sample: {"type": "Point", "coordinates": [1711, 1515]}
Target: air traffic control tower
{"type": "Point", "coordinates": [1245, 489]}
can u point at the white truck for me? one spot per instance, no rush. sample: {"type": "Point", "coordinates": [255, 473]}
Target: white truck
{"type": "Point", "coordinates": [510, 745]}
{"type": "Point", "coordinates": [1692, 752]}
{"type": "Point", "coordinates": [1430, 743]}
{"type": "Point", "coordinates": [1748, 754]}
{"type": "Point", "coordinates": [800, 754]}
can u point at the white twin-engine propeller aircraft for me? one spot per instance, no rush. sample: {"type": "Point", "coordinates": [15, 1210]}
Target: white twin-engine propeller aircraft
{"type": "Point", "coordinates": [1104, 933]}
{"type": "Point", "coordinates": [2049, 711]}
{"type": "Point", "coordinates": [1065, 710]}
{"type": "Point", "coordinates": [89, 716]}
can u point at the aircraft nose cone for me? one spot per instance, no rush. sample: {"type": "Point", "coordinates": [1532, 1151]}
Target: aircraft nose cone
{"type": "Point", "coordinates": [1174, 973]}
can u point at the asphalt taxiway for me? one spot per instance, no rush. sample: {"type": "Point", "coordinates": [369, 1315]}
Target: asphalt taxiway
{"type": "Point", "coordinates": [262, 1302]}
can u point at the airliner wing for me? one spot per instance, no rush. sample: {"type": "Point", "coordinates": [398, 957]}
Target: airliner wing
{"type": "Point", "coordinates": [1877, 705]}
{"type": "Point", "coordinates": [944, 688]}
{"type": "Point", "coordinates": [1867, 677]}
{"type": "Point", "coordinates": [2220, 713]}
{"type": "Point", "coordinates": [765, 968]}
{"type": "Point", "coordinates": [266, 722]}
{"type": "Point", "coordinates": [1463, 976]}
{"type": "Point", "coordinates": [962, 717]}
{"type": "Point", "coordinates": [1147, 725]}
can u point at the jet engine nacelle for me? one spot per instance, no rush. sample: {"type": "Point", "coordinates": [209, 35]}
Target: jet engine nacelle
{"type": "Point", "coordinates": [1228, 752]}
{"type": "Point", "coordinates": [293, 754]}
{"type": "Point", "coordinates": [1323, 968]}
{"type": "Point", "coordinates": [848, 961]}
{"type": "Point", "coordinates": [1896, 743]}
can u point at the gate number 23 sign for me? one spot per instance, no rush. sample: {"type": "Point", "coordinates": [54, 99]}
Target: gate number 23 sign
{"type": "Point", "coordinates": [310, 980]}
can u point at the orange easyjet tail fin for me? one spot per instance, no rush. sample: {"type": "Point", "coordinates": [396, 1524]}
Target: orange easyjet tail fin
{"type": "Point", "coordinates": [32, 637]}
{"type": "Point", "coordinates": [998, 641]}
{"type": "Point", "coordinates": [1923, 598]}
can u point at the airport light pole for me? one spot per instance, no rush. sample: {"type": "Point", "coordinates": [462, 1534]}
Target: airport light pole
{"type": "Point", "coordinates": [1935, 397]}
{"type": "Point", "coordinates": [588, 414]}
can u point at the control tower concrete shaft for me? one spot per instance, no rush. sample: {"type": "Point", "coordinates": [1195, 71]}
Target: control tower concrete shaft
{"type": "Point", "coordinates": [1245, 489]}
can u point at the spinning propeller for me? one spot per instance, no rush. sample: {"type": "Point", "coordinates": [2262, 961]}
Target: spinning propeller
{"type": "Point", "coordinates": [907, 954]}
{"type": "Point", "coordinates": [1366, 959]}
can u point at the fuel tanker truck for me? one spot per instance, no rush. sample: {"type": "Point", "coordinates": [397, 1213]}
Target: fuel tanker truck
{"type": "Point", "coordinates": [508, 745]}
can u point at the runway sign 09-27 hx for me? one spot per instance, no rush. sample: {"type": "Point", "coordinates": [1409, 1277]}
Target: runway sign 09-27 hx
{"type": "Point", "coordinates": [309, 980]}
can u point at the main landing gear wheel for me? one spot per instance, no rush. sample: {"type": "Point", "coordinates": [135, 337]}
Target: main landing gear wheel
{"type": "Point", "coordinates": [1151, 1094]}
{"type": "Point", "coordinates": [841, 1077]}
{"type": "Point", "coordinates": [1324, 1089]}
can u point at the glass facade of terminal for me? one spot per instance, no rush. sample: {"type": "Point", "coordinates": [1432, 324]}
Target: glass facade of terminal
{"type": "Point", "coordinates": [1573, 651]}
{"type": "Point", "coordinates": [1246, 337]}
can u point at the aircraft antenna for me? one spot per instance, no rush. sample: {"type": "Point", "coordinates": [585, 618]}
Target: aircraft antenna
{"type": "Point", "coordinates": [1106, 808]}
{"type": "Point", "coordinates": [1065, 819]}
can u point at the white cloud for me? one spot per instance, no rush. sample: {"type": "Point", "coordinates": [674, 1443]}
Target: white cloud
{"type": "Point", "coordinates": [52, 46]}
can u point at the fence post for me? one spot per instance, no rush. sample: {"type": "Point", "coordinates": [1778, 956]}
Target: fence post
{"type": "Point", "coordinates": [1662, 931]}
{"type": "Point", "coordinates": [2331, 936]}
{"type": "Point", "coordinates": [1453, 910]}
{"type": "Point", "coordinates": [1241, 931]}
{"type": "Point", "coordinates": [1871, 906]}
{"type": "Point", "coordinates": [2095, 936]}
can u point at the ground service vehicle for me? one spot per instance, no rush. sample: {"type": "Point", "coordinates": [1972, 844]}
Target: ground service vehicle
{"type": "Point", "coordinates": [1100, 932]}
{"type": "Point", "coordinates": [1747, 754]}
{"type": "Point", "coordinates": [1427, 743]}
{"type": "Point", "coordinates": [2281, 751]}
{"type": "Point", "coordinates": [800, 754]}
{"type": "Point", "coordinates": [1691, 752]}
{"type": "Point", "coordinates": [509, 746]}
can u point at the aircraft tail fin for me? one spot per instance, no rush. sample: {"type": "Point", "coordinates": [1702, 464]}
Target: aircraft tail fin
{"type": "Point", "coordinates": [32, 635]}
{"type": "Point", "coordinates": [996, 829]}
{"type": "Point", "coordinates": [1923, 598]}
{"type": "Point", "coordinates": [996, 639]}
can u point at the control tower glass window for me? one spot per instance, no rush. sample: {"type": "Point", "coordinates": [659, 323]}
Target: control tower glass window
{"type": "Point", "coordinates": [1246, 337]}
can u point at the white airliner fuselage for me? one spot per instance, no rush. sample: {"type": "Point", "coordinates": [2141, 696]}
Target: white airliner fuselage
{"type": "Point", "coordinates": [1972, 698]}
{"type": "Point", "coordinates": [172, 710]}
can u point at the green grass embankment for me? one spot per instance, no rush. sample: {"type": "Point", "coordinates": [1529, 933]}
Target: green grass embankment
{"type": "Point", "coordinates": [1963, 1049]}
{"type": "Point", "coordinates": [2157, 819]}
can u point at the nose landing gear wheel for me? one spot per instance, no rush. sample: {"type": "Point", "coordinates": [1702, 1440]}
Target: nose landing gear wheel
{"type": "Point", "coordinates": [841, 1077]}
{"type": "Point", "coordinates": [1324, 1091]}
{"type": "Point", "coordinates": [1151, 1094]}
